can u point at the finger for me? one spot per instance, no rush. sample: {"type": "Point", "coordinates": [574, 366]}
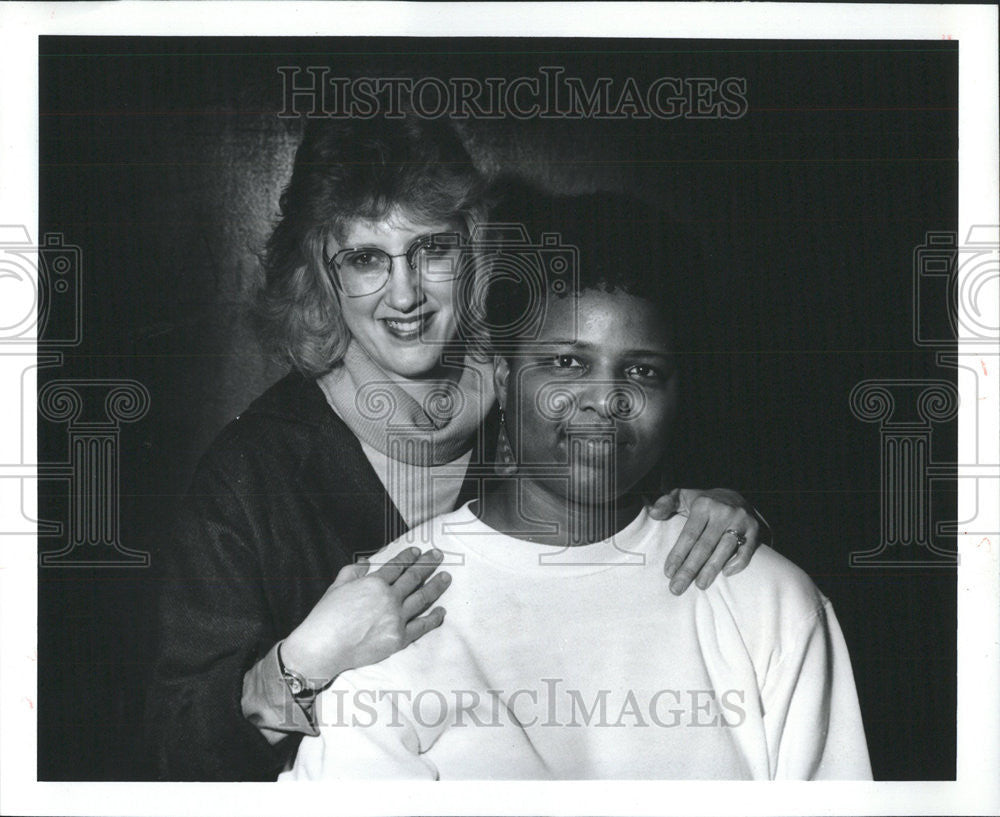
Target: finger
{"type": "Point", "coordinates": [710, 540]}
{"type": "Point", "coordinates": [728, 546]}
{"type": "Point", "coordinates": [420, 600]}
{"type": "Point", "coordinates": [392, 569]}
{"type": "Point", "coordinates": [682, 547]}
{"type": "Point", "coordinates": [718, 556]}
{"type": "Point", "coordinates": [665, 506]}
{"type": "Point", "coordinates": [349, 573]}
{"type": "Point", "coordinates": [744, 554]}
{"type": "Point", "coordinates": [421, 626]}
{"type": "Point", "coordinates": [416, 574]}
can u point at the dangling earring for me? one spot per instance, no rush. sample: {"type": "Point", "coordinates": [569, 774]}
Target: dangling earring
{"type": "Point", "coordinates": [505, 464]}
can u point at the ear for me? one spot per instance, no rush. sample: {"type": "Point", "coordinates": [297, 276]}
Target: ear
{"type": "Point", "coordinates": [501, 372]}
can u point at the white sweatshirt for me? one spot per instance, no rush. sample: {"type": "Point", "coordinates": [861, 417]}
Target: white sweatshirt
{"type": "Point", "coordinates": [579, 663]}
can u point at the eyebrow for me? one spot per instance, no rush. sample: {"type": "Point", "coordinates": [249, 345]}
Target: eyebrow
{"type": "Point", "coordinates": [377, 245]}
{"type": "Point", "coordinates": [584, 345]}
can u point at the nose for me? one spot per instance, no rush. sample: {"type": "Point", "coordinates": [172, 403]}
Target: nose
{"type": "Point", "coordinates": [606, 402]}
{"type": "Point", "coordinates": [403, 292]}
{"type": "Point", "coordinates": [593, 403]}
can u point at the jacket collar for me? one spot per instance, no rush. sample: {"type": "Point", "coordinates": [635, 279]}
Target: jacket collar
{"type": "Point", "coordinates": [300, 399]}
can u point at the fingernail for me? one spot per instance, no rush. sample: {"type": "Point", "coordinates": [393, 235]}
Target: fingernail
{"type": "Point", "coordinates": [436, 554]}
{"type": "Point", "coordinates": [676, 588]}
{"type": "Point", "coordinates": [670, 570]}
{"type": "Point", "coordinates": [446, 578]}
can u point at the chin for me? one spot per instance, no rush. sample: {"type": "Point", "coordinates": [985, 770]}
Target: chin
{"type": "Point", "coordinates": [413, 360]}
{"type": "Point", "coordinates": [414, 366]}
{"type": "Point", "coordinates": [593, 485]}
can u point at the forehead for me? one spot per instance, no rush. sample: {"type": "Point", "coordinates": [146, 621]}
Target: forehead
{"type": "Point", "coordinates": [395, 231]}
{"type": "Point", "coordinates": [612, 321]}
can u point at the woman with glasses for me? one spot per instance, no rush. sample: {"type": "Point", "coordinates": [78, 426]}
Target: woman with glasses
{"type": "Point", "coordinates": [384, 421]}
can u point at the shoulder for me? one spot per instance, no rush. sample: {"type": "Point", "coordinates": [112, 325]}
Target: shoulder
{"type": "Point", "coordinates": [292, 409]}
{"type": "Point", "coordinates": [279, 428]}
{"type": "Point", "coordinates": [770, 569]}
{"type": "Point", "coordinates": [774, 601]}
{"type": "Point", "coordinates": [442, 532]}
{"type": "Point", "coordinates": [771, 575]}
{"type": "Point", "coordinates": [769, 579]}
{"type": "Point", "coordinates": [294, 402]}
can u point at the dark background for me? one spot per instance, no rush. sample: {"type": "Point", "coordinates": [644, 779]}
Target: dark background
{"type": "Point", "coordinates": [163, 158]}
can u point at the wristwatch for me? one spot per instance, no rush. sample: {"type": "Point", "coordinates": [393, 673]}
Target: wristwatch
{"type": "Point", "coordinates": [296, 682]}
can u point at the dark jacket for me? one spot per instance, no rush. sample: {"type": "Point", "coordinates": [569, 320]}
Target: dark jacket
{"type": "Point", "coordinates": [281, 501]}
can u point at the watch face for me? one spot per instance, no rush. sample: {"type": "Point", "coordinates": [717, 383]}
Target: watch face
{"type": "Point", "coordinates": [294, 684]}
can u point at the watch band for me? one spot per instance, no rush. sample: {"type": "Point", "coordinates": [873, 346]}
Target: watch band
{"type": "Point", "coordinates": [296, 682]}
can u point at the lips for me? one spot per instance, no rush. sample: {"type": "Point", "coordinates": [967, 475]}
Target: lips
{"type": "Point", "coordinates": [407, 328]}
{"type": "Point", "coordinates": [622, 437]}
{"type": "Point", "coordinates": [594, 453]}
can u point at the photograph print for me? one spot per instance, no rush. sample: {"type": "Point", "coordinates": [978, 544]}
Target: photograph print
{"type": "Point", "coordinates": [499, 408]}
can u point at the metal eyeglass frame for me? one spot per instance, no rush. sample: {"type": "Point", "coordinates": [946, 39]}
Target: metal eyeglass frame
{"type": "Point", "coordinates": [333, 265]}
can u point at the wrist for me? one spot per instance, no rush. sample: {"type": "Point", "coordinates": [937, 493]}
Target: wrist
{"type": "Point", "coordinates": [298, 655]}
{"type": "Point", "coordinates": [304, 688]}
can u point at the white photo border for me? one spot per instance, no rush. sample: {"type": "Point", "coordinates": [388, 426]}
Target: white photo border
{"type": "Point", "coordinates": [978, 736]}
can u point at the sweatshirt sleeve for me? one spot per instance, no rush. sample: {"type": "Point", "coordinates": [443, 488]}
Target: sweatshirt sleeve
{"type": "Point", "coordinates": [811, 712]}
{"type": "Point", "coordinates": [366, 731]}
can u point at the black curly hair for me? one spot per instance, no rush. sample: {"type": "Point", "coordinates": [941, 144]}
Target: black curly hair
{"type": "Point", "coordinates": [621, 244]}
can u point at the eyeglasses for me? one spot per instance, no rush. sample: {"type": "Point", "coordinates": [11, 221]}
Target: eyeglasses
{"type": "Point", "coordinates": [359, 271]}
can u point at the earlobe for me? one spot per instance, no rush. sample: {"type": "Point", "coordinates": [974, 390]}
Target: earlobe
{"type": "Point", "coordinates": [501, 371]}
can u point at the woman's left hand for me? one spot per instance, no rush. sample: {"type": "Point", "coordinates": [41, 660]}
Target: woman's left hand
{"type": "Point", "coordinates": [707, 544]}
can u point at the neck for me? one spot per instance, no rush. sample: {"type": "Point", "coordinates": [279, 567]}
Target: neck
{"type": "Point", "coordinates": [525, 510]}
{"type": "Point", "coordinates": [418, 387]}
{"type": "Point", "coordinates": [443, 374]}
{"type": "Point", "coordinates": [446, 420]}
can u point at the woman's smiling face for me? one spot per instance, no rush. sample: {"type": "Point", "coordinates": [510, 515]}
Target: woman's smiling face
{"type": "Point", "coordinates": [404, 325]}
{"type": "Point", "coordinates": [597, 392]}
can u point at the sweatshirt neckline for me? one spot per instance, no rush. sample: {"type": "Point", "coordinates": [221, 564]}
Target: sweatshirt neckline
{"type": "Point", "coordinates": [631, 546]}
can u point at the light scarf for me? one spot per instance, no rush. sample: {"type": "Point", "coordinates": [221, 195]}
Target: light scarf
{"type": "Point", "coordinates": [433, 431]}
